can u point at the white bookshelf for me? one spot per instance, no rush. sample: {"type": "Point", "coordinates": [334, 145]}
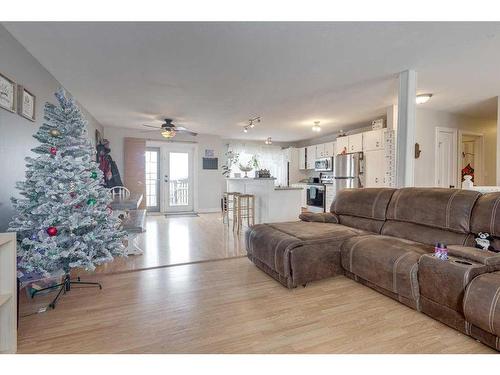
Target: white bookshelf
{"type": "Point", "coordinates": [8, 293]}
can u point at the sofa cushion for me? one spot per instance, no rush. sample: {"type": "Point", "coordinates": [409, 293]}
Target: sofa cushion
{"type": "Point", "coordinates": [370, 203]}
{"type": "Point", "coordinates": [363, 209]}
{"type": "Point", "coordinates": [447, 209]}
{"type": "Point", "coordinates": [422, 233]}
{"type": "Point", "coordinates": [482, 302]}
{"type": "Point", "coordinates": [319, 217]}
{"type": "Point", "coordinates": [388, 262]}
{"type": "Point", "coordinates": [272, 243]}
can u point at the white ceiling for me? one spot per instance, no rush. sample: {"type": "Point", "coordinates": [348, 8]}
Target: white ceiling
{"type": "Point", "coordinates": [212, 77]}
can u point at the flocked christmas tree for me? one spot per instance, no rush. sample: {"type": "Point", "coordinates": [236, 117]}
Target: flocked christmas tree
{"type": "Point", "coordinates": [64, 219]}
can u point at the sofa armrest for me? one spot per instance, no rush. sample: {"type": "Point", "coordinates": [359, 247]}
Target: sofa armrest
{"type": "Point", "coordinates": [321, 217]}
{"type": "Point", "coordinates": [486, 257]}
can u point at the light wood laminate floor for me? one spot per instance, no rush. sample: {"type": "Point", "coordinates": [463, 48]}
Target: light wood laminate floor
{"type": "Point", "coordinates": [230, 306]}
{"type": "Point", "coordinates": [180, 240]}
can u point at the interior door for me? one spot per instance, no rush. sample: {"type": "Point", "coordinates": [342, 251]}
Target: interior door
{"type": "Point", "coordinates": [446, 157]}
{"type": "Point", "coordinates": [177, 175]}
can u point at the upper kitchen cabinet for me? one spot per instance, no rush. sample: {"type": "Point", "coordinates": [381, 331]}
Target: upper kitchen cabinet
{"type": "Point", "coordinates": [302, 158]}
{"type": "Point", "coordinates": [310, 157]}
{"type": "Point", "coordinates": [320, 151]}
{"type": "Point", "coordinates": [328, 150]}
{"type": "Point", "coordinates": [342, 144]}
{"type": "Point", "coordinates": [355, 142]}
{"type": "Point", "coordinates": [373, 140]}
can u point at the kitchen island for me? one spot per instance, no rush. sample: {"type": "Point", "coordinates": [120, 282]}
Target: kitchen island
{"type": "Point", "coordinates": [272, 204]}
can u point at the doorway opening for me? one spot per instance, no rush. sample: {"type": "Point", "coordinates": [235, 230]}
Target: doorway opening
{"type": "Point", "coordinates": [470, 156]}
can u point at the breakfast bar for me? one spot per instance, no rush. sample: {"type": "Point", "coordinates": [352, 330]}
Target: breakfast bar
{"type": "Point", "coordinates": [272, 204]}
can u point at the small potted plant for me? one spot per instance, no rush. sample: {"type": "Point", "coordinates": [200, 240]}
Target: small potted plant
{"type": "Point", "coordinates": [232, 158]}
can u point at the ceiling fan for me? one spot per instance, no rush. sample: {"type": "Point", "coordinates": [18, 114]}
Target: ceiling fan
{"type": "Point", "coordinates": [169, 130]}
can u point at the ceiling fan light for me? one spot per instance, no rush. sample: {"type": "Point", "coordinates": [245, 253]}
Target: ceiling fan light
{"type": "Point", "coordinates": [423, 98]}
{"type": "Point", "coordinates": [168, 133]}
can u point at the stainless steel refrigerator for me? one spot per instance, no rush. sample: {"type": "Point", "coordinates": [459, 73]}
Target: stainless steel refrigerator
{"type": "Point", "coordinates": [349, 171]}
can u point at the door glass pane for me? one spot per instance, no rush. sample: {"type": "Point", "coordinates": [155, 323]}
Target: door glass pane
{"type": "Point", "coordinates": [179, 178]}
{"type": "Point", "coordinates": [152, 179]}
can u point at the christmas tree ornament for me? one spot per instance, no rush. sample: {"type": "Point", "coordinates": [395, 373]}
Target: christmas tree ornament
{"type": "Point", "coordinates": [54, 132]}
{"type": "Point", "coordinates": [34, 237]}
{"type": "Point", "coordinates": [53, 150]}
{"type": "Point", "coordinates": [52, 231]}
{"type": "Point", "coordinates": [72, 194]}
{"type": "Point", "coordinates": [78, 206]}
{"type": "Point", "coordinates": [93, 175]}
{"type": "Point", "coordinates": [91, 201]}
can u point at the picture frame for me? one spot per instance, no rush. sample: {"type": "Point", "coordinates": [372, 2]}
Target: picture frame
{"type": "Point", "coordinates": [8, 94]}
{"type": "Point", "coordinates": [26, 104]}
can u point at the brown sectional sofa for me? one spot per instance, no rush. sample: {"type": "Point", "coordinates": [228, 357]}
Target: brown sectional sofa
{"type": "Point", "coordinates": [384, 238]}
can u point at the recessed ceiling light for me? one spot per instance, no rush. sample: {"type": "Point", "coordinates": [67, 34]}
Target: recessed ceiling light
{"type": "Point", "coordinates": [316, 127]}
{"type": "Point", "coordinates": [423, 98]}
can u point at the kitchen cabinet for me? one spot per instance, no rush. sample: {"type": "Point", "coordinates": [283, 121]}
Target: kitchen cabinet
{"type": "Point", "coordinates": [355, 142]}
{"type": "Point", "coordinates": [310, 157]}
{"type": "Point", "coordinates": [374, 168]}
{"type": "Point", "coordinates": [320, 151]}
{"type": "Point", "coordinates": [342, 144]}
{"type": "Point", "coordinates": [302, 158]}
{"type": "Point", "coordinates": [329, 196]}
{"type": "Point", "coordinates": [373, 140]}
{"type": "Point", "coordinates": [329, 149]}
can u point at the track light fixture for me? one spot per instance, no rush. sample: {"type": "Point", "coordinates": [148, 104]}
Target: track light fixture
{"type": "Point", "coordinates": [268, 141]}
{"type": "Point", "coordinates": [251, 123]}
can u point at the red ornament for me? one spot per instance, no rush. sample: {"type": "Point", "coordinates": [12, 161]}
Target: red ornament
{"type": "Point", "coordinates": [78, 206]}
{"type": "Point", "coordinates": [72, 194]}
{"type": "Point", "coordinates": [52, 231]}
{"type": "Point", "coordinates": [53, 150]}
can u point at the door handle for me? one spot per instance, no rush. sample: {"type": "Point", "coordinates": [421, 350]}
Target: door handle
{"type": "Point", "coordinates": [165, 178]}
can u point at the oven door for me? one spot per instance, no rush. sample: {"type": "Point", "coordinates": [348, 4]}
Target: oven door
{"type": "Point", "coordinates": [316, 198]}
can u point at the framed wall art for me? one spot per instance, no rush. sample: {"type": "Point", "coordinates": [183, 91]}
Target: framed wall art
{"type": "Point", "coordinates": [8, 97]}
{"type": "Point", "coordinates": [26, 103]}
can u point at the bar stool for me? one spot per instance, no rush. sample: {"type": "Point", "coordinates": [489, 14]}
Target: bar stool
{"type": "Point", "coordinates": [245, 209]}
{"type": "Point", "coordinates": [228, 206]}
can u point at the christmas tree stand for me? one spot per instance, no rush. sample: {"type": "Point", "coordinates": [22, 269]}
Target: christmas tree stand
{"type": "Point", "coordinates": [64, 287]}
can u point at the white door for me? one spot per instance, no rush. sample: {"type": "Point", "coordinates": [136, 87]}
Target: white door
{"type": "Point", "coordinates": [177, 178]}
{"type": "Point", "coordinates": [446, 157]}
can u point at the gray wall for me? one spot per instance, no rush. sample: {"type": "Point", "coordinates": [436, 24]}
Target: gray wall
{"type": "Point", "coordinates": [16, 132]}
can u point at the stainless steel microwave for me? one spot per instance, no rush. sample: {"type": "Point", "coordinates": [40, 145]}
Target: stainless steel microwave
{"type": "Point", "coordinates": [323, 165]}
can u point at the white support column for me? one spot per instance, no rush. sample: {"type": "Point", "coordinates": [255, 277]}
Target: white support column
{"type": "Point", "coordinates": [405, 141]}
{"type": "Point", "coordinates": [497, 170]}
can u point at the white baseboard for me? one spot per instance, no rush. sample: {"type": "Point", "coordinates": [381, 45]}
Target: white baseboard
{"type": "Point", "coordinates": [208, 210]}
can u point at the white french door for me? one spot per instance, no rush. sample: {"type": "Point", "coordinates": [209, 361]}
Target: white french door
{"type": "Point", "coordinates": [177, 178]}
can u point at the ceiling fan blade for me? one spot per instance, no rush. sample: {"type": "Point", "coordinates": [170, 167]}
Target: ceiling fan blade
{"type": "Point", "coordinates": [150, 131]}
{"type": "Point", "coordinates": [151, 126]}
{"type": "Point", "coordinates": [181, 129]}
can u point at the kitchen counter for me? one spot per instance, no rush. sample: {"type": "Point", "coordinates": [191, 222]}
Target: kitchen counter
{"type": "Point", "coordinates": [287, 188]}
{"type": "Point", "coordinates": [272, 203]}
